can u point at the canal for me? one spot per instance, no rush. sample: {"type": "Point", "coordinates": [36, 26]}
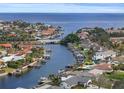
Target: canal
{"type": "Point", "coordinates": [60, 57]}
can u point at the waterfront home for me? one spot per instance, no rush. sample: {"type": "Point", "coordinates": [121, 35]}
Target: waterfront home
{"type": "Point", "coordinates": [16, 58]}
{"type": "Point", "coordinates": [7, 58]}
{"type": "Point", "coordinates": [102, 55]}
{"type": "Point", "coordinates": [12, 58]}
{"type": "Point", "coordinates": [25, 50]}
{"type": "Point", "coordinates": [63, 78]}
{"type": "Point", "coordinates": [48, 32]}
{"type": "Point", "coordinates": [75, 80]}
{"type": "Point", "coordinates": [101, 68]}
{"type": "Point", "coordinates": [83, 35]}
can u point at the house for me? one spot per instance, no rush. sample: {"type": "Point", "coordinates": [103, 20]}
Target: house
{"type": "Point", "coordinates": [101, 55]}
{"type": "Point", "coordinates": [16, 58]}
{"type": "Point", "coordinates": [101, 68]}
{"type": "Point", "coordinates": [48, 32]}
{"type": "Point", "coordinates": [84, 74]}
{"type": "Point", "coordinates": [7, 58]}
{"type": "Point", "coordinates": [12, 58]}
{"type": "Point", "coordinates": [114, 30]}
{"type": "Point", "coordinates": [25, 50]}
{"type": "Point", "coordinates": [83, 35]}
{"type": "Point", "coordinates": [6, 45]}
{"type": "Point", "coordinates": [75, 80]}
{"type": "Point", "coordinates": [12, 35]}
{"type": "Point", "coordinates": [65, 78]}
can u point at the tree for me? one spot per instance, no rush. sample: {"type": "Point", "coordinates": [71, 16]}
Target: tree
{"type": "Point", "coordinates": [115, 68]}
{"type": "Point", "coordinates": [100, 36]}
{"type": "Point", "coordinates": [56, 80]}
{"type": "Point", "coordinates": [71, 38]}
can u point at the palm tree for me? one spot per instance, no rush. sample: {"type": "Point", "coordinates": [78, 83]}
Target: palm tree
{"type": "Point", "coordinates": [56, 80]}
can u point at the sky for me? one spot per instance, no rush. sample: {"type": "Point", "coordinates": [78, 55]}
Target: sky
{"type": "Point", "coordinates": [63, 8]}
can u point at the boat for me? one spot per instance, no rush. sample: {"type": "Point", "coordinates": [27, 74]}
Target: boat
{"type": "Point", "coordinates": [43, 78]}
{"type": "Point", "coordinates": [48, 50]}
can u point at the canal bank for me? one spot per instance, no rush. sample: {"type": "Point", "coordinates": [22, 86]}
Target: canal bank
{"type": "Point", "coordinates": [60, 57]}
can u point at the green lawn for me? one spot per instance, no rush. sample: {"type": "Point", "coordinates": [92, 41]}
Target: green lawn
{"type": "Point", "coordinates": [115, 75]}
{"type": "Point", "coordinates": [8, 70]}
{"type": "Point", "coordinates": [85, 52]}
{"type": "Point", "coordinates": [77, 46]}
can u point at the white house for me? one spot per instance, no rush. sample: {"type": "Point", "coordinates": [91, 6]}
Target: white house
{"type": "Point", "coordinates": [12, 58]}
{"type": "Point", "coordinates": [104, 54]}
{"type": "Point", "coordinates": [65, 78]}
{"type": "Point", "coordinates": [7, 58]}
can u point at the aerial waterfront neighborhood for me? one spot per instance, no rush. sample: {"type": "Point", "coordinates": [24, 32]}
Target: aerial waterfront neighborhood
{"type": "Point", "coordinates": [98, 55]}
{"type": "Point", "coordinates": [61, 47]}
{"type": "Point", "coordinates": [19, 48]}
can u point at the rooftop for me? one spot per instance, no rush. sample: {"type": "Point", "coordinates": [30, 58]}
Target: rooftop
{"type": "Point", "coordinates": [115, 30]}
{"type": "Point", "coordinates": [103, 66]}
{"type": "Point", "coordinates": [6, 45]}
{"type": "Point", "coordinates": [76, 79]}
{"type": "Point", "coordinates": [48, 32]}
{"type": "Point", "coordinates": [109, 52]}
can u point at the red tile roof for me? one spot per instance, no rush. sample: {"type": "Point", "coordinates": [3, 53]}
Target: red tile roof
{"type": "Point", "coordinates": [49, 31]}
{"type": "Point", "coordinates": [103, 66]}
{"type": "Point", "coordinates": [6, 45]}
{"type": "Point", "coordinates": [13, 35]}
{"type": "Point", "coordinates": [25, 50]}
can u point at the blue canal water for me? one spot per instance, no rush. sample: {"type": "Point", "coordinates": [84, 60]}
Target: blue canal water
{"type": "Point", "coordinates": [60, 56]}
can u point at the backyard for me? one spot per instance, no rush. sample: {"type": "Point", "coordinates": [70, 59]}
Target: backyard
{"type": "Point", "coordinates": [117, 75]}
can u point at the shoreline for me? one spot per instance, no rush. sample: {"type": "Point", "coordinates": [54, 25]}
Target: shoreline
{"type": "Point", "coordinates": [25, 68]}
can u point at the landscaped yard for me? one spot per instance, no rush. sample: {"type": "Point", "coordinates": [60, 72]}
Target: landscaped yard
{"type": "Point", "coordinates": [88, 62]}
{"type": "Point", "coordinates": [116, 75]}
{"type": "Point", "coordinates": [8, 70]}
